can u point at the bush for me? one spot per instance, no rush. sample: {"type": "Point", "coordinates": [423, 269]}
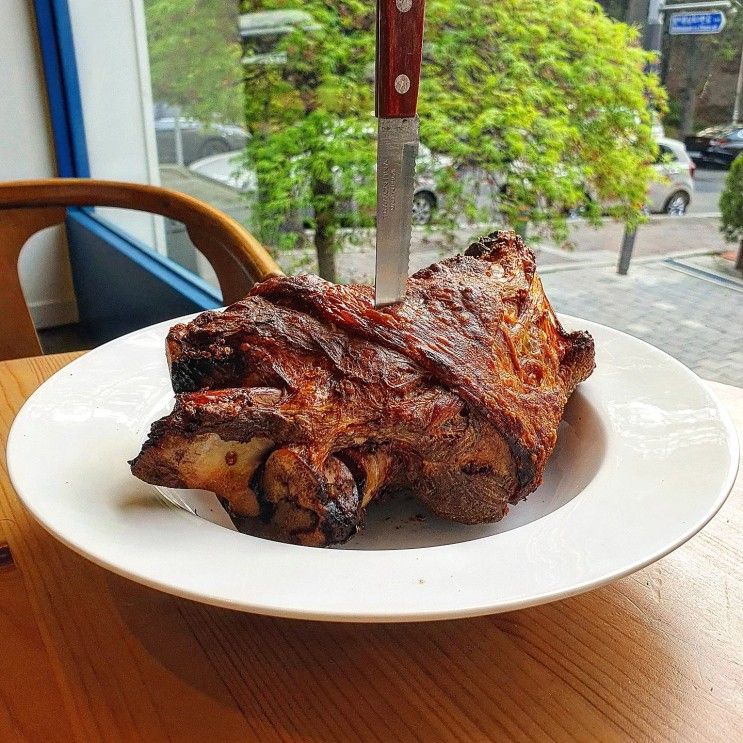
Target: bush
{"type": "Point", "coordinates": [731, 207]}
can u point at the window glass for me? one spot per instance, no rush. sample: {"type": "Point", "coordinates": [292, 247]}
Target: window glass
{"type": "Point", "coordinates": [665, 153]}
{"type": "Point", "coordinates": [265, 110]}
{"type": "Point", "coordinates": [112, 65]}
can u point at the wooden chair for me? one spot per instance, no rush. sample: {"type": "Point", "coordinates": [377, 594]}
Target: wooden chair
{"type": "Point", "coordinates": [26, 207]}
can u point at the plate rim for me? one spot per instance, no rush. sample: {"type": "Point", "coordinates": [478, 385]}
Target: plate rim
{"type": "Point", "coordinates": [385, 615]}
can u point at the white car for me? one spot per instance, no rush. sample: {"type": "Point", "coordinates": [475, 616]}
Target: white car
{"type": "Point", "coordinates": [673, 194]}
{"type": "Point", "coordinates": [226, 169]}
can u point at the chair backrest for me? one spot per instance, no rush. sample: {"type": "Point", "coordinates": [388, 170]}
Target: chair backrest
{"type": "Point", "coordinates": [26, 207]}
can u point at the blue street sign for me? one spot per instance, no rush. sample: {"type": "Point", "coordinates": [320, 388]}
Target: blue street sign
{"type": "Point", "coordinates": [711, 22]}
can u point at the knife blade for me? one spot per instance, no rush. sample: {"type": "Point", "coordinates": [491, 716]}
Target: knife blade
{"type": "Point", "coordinates": [397, 149]}
{"type": "Point", "coordinates": [399, 51]}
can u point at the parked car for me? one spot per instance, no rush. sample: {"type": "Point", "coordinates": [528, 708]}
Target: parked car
{"type": "Point", "coordinates": [716, 146]}
{"type": "Point", "coordinates": [261, 32]}
{"type": "Point", "coordinates": [198, 139]}
{"type": "Point", "coordinates": [426, 199]}
{"type": "Point", "coordinates": [673, 194]}
{"type": "Point", "coordinates": [225, 168]}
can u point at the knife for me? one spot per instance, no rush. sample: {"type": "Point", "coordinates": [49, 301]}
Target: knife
{"type": "Point", "coordinates": [398, 67]}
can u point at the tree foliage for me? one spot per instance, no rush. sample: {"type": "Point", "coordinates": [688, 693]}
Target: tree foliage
{"type": "Point", "coordinates": [545, 99]}
{"type": "Point", "coordinates": [195, 56]}
{"type": "Point", "coordinates": [548, 98]}
{"type": "Point", "coordinates": [311, 120]}
{"type": "Point", "coordinates": [551, 93]}
{"type": "Point", "coordinates": [731, 202]}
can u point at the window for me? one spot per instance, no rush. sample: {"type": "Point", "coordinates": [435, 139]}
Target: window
{"type": "Point", "coordinates": [221, 105]}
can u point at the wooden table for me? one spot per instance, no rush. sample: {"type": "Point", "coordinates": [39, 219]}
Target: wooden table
{"type": "Point", "coordinates": [87, 655]}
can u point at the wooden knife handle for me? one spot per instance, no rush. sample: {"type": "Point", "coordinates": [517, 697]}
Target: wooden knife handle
{"type": "Point", "coordinates": [399, 51]}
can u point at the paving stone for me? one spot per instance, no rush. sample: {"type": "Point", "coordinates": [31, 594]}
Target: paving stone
{"type": "Point", "coordinates": [696, 321]}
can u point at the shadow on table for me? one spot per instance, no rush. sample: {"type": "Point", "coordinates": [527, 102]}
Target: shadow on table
{"type": "Point", "coordinates": [560, 669]}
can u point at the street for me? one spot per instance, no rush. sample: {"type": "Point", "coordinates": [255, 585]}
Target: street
{"type": "Point", "coordinates": [708, 185]}
{"type": "Point", "coordinates": [697, 232]}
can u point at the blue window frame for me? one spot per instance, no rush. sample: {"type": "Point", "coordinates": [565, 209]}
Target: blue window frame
{"type": "Point", "coordinates": [63, 89]}
{"type": "Point", "coordinates": [99, 252]}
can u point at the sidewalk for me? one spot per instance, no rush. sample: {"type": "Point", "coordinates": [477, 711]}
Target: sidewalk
{"type": "Point", "coordinates": [695, 320]}
{"type": "Point", "coordinates": [661, 236]}
{"type": "Point", "coordinates": [667, 303]}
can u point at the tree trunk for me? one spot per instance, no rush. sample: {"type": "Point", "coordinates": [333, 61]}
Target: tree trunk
{"type": "Point", "coordinates": [325, 248]}
{"type": "Point", "coordinates": [690, 93]}
{"type": "Point", "coordinates": [325, 228]}
{"type": "Point", "coordinates": [739, 258]}
{"type": "Point", "coordinates": [667, 46]}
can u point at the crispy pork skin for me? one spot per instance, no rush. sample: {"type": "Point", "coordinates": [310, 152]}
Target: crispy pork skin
{"type": "Point", "coordinates": [303, 403]}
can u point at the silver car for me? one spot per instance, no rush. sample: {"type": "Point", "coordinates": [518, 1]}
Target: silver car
{"type": "Point", "coordinates": [198, 139]}
{"type": "Point", "coordinates": [672, 195]}
{"type": "Point", "coordinates": [225, 168]}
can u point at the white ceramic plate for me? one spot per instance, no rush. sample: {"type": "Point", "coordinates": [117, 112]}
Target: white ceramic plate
{"type": "Point", "coordinates": [645, 458]}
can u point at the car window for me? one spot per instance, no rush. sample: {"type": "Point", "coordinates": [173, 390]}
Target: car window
{"type": "Point", "coordinates": [679, 152]}
{"type": "Point", "coordinates": [664, 154]}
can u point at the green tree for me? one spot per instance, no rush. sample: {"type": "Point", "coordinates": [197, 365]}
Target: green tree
{"type": "Point", "coordinates": [731, 207]}
{"type": "Point", "coordinates": [195, 56]}
{"type": "Point", "coordinates": [312, 126]}
{"type": "Point", "coordinates": [552, 94]}
{"type": "Point", "coordinates": [547, 97]}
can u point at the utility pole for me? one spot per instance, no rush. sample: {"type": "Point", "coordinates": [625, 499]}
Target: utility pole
{"type": "Point", "coordinates": [690, 94]}
{"type": "Point", "coordinates": [738, 91]}
{"type": "Point", "coordinates": [654, 31]}
{"type": "Point", "coordinates": [178, 137]}
{"type": "Point", "coordinates": [651, 42]}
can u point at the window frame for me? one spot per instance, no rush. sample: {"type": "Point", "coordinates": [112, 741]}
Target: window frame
{"type": "Point", "coordinates": [59, 63]}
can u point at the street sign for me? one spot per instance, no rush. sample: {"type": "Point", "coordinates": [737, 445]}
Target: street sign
{"type": "Point", "coordinates": [710, 22]}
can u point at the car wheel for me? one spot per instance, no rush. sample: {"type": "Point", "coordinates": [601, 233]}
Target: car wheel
{"type": "Point", "coordinates": [676, 204]}
{"type": "Point", "coordinates": [424, 205]}
{"type": "Point", "coordinates": [213, 147]}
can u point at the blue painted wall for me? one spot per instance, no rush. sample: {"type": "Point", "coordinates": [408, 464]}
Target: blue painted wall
{"type": "Point", "coordinates": [121, 287]}
{"type": "Point", "coordinates": [62, 87]}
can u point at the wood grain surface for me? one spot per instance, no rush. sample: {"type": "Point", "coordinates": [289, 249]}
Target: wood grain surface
{"type": "Point", "coordinates": [87, 655]}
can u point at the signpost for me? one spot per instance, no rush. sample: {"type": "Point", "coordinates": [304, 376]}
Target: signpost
{"type": "Point", "coordinates": [711, 22]}
{"type": "Point", "coordinates": [705, 17]}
